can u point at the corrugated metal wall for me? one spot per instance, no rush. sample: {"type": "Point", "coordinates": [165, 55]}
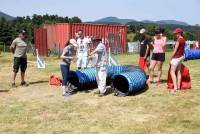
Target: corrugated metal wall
{"type": "Point", "coordinates": [51, 36]}
{"type": "Point", "coordinates": [101, 31]}
{"type": "Point", "coordinates": [62, 34]}
{"type": "Point", "coordinates": [40, 38]}
{"type": "Point", "coordinates": [57, 35]}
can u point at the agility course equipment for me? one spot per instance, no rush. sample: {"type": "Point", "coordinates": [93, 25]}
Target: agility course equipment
{"type": "Point", "coordinates": [129, 82]}
{"type": "Point", "coordinates": [185, 79]}
{"type": "Point", "coordinates": [192, 54]}
{"type": "Point", "coordinates": [39, 60]}
{"type": "Point", "coordinates": [86, 78]}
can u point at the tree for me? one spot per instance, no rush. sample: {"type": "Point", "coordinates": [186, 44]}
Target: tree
{"type": "Point", "coordinates": [76, 19]}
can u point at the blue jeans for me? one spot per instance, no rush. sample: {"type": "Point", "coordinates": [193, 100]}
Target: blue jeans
{"type": "Point", "coordinates": [65, 74]}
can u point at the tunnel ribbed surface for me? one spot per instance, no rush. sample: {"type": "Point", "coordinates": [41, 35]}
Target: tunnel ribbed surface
{"type": "Point", "coordinates": [129, 82]}
{"type": "Point", "coordinates": [86, 78]}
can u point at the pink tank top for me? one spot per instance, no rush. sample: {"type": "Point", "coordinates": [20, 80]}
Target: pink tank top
{"type": "Point", "coordinates": [158, 46]}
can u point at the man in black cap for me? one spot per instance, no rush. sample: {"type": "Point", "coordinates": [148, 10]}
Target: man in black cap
{"type": "Point", "coordinates": [19, 49]}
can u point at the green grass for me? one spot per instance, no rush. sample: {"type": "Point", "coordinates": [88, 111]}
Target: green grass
{"type": "Point", "coordinates": [41, 109]}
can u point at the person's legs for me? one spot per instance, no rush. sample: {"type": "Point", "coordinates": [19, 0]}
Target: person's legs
{"type": "Point", "coordinates": [98, 80]}
{"type": "Point", "coordinates": [160, 64]}
{"type": "Point", "coordinates": [79, 62]}
{"type": "Point", "coordinates": [84, 62]}
{"type": "Point", "coordinates": [151, 75]}
{"type": "Point", "coordinates": [173, 75]}
{"type": "Point", "coordinates": [102, 74]}
{"type": "Point", "coordinates": [23, 67]}
{"type": "Point", "coordinates": [13, 78]}
{"type": "Point", "coordinates": [179, 76]}
{"type": "Point", "coordinates": [15, 70]}
{"type": "Point", "coordinates": [148, 62]}
{"type": "Point", "coordinates": [65, 72]}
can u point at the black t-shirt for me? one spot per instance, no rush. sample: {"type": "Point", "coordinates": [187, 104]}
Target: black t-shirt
{"type": "Point", "coordinates": [144, 41]}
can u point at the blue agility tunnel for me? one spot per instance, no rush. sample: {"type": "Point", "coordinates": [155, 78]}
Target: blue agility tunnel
{"type": "Point", "coordinates": [130, 82]}
{"type": "Point", "coordinates": [192, 54]}
{"type": "Point", "coordinates": [86, 78]}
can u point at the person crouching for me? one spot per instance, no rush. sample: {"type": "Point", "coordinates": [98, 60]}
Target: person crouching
{"type": "Point", "coordinates": [101, 65]}
{"type": "Point", "coordinates": [67, 57]}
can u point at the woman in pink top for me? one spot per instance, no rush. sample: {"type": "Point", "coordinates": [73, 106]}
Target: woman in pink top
{"type": "Point", "coordinates": [158, 56]}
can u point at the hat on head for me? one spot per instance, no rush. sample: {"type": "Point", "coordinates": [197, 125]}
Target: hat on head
{"type": "Point", "coordinates": [22, 31]}
{"type": "Point", "coordinates": [142, 31]}
{"type": "Point", "coordinates": [73, 42]}
{"type": "Point", "coordinates": [96, 39]}
{"type": "Point", "coordinates": [178, 30]}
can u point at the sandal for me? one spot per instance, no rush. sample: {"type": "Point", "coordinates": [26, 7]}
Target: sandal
{"type": "Point", "coordinates": [66, 94]}
{"type": "Point", "coordinates": [149, 82]}
{"type": "Point", "coordinates": [158, 83]}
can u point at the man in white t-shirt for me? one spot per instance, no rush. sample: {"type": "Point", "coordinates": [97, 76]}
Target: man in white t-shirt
{"type": "Point", "coordinates": [82, 50]}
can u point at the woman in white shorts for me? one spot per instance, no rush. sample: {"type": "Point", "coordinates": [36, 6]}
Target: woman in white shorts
{"type": "Point", "coordinates": [177, 59]}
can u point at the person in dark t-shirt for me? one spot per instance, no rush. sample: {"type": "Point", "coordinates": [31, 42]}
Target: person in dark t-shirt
{"type": "Point", "coordinates": [145, 45]}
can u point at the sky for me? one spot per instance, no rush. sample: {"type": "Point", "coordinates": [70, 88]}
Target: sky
{"type": "Point", "coordinates": [90, 10]}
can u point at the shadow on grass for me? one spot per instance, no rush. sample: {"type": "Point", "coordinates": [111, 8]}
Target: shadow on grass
{"type": "Point", "coordinates": [141, 91]}
{"type": "Point", "coordinates": [4, 91]}
{"type": "Point", "coordinates": [38, 82]}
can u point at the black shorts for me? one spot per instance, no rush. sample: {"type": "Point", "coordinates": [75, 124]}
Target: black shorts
{"type": "Point", "coordinates": [158, 57]}
{"type": "Point", "coordinates": [20, 63]}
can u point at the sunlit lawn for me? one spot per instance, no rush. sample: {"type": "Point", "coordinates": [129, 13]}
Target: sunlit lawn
{"type": "Point", "coordinates": [40, 108]}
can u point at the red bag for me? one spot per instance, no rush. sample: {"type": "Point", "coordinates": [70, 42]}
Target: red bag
{"type": "Point", "coordinates": [185, 80]}
{"type": "Point", "coordinates": [142, 63]}
{"type": "Point", "coordinates": [54, 80]}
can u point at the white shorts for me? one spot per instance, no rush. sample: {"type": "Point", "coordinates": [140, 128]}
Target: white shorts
{"type": "Point", "coordinates": [82, 62]}
{"type": "Point", "coordinates": [177, 61]}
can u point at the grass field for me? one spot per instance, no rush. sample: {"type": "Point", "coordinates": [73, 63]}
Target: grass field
{"type": "Point", "coordinates": [40, 108]}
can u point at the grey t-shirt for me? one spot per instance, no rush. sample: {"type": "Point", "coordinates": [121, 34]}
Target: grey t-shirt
{"type": "Point", "coordinates": [68, 52]}
{"type": "Point", "coordinates": [20, 48]}
{"type": "Point", "coordinates": [102, 57]}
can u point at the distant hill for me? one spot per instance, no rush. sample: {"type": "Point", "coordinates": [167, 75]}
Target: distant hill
{"type": "Point", "coordinates": [6, 16]}
{"type": "Point", "coordinates": [112, 20]}
{"type": "Point", "coordinates": [174, 22]}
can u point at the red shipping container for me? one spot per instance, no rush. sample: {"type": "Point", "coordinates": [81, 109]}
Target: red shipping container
{"type": "Point", "coordinates": [57, 35]}
{"type": "Point", "coordinates": [101, 30]}
{"type": "Point", "coordinates": [51, 36]}
{"type": "Point", "coordinates": [40, 37]}
{"type": "Point", "coordinates": [62, 34]}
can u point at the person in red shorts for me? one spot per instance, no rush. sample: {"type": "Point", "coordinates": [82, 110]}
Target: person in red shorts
{"type": "Point", "coordinates": [177, 59]}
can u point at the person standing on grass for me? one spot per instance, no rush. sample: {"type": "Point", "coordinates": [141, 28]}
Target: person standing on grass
{"type": "Point", "coordinates": [82, 50]}
{"type": "Point", "coordinates": [19, 49]}
{"type": "Point", "coordinates": [158, 56]}
{"type": "Point", "coordinates": [177, 59]}
{"type": "Point", "coordinates": [101, 65]}
{"type": "Point", "coordinates": [145, 45]}
{"type": "Point", "coordinates": [67, 57]}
